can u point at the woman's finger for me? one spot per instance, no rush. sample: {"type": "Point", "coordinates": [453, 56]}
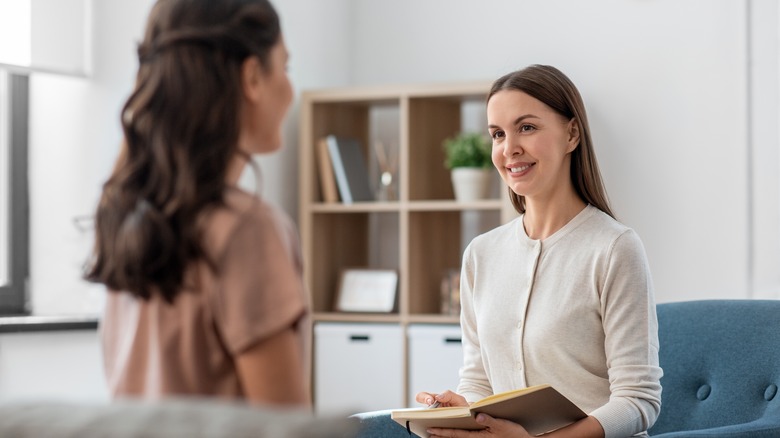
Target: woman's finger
{"type": "Point", "coordinates": [425, 398]}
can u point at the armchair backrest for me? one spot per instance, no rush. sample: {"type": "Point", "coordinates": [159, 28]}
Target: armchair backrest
{"type": "Point", "coordinates": [721, 362]}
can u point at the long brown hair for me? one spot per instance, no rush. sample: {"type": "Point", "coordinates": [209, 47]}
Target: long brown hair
{"type": "Point", "coordinates": [550, 86]}
{"type": "Point", "coordinates": [181, 129]}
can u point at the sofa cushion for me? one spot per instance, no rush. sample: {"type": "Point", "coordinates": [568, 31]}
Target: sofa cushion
{"type": "Point", "coordinates": [197, 418]}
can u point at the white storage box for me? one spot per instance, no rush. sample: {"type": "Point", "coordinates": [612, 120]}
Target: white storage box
{"type": "Point", "coordinates": [357, 367]}
{"type": "Point", "coordinates": [435, 357]}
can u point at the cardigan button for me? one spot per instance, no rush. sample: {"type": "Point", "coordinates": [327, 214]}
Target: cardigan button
{"type": "Point", "coordinates": [703, 392]}
{"type": "Point", "coordinates": [770, 392]}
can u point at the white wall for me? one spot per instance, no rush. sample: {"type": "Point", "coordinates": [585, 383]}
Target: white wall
{"type": "Point", "coordinates": [75, 135]}
{"type": "Point", "coordinates": [318, 35]}
{"type": "Point", "coordinates": [666, 85]}
{"type": "Point", "coordinates": [665, 82]}
{"type": "Point", "coordinates": [765, 151]}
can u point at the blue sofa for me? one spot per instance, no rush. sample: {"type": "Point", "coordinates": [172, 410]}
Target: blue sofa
{"type": "Point", "coordinates": [721, 361]}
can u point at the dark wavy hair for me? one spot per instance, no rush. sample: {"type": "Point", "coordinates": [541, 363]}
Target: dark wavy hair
{"type": "Point", "coordinates": [550, 86]}
{"type": "Point", "coordinates": [181, 129]}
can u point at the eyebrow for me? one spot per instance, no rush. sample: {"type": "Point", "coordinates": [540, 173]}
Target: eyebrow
{"type": "Point", "coordinates": [518, 120]}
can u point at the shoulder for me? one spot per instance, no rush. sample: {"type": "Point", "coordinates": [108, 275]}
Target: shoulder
{"type": "Point", "coordinates": [253, 211]}
{"type": "Point", "coordinates": [604, 230]}
{"type": "Point", "coordinates": [602, 223]}
{"type": "Point", "coordinates": [616, 242]}
{"type": "Point", "coordinates": [245, 217]}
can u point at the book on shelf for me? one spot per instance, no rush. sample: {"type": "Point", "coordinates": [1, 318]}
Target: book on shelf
{"type": "Point", "coordinates": [349, 167]}
{"type": "Point", "coordinates": [539, 409]}
{"type": "Point", "coordinates": [327, 178]}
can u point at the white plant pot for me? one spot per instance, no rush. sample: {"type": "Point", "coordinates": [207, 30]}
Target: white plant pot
{"type": "Point", "coordinates": [471, 183]}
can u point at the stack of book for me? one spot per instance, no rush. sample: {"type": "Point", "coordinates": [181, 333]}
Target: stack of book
{"type": "Point", "coordinates": [343, 170]}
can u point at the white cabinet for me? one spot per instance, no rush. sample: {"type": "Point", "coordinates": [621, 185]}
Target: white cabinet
{"type": "Point", "coordinates": [357, 367]}
{"type": "Point", "coordinates": [435, 357]}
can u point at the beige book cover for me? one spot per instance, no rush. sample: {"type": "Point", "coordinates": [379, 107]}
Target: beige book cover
{"type": "Point", "coordinates": [327, 178]}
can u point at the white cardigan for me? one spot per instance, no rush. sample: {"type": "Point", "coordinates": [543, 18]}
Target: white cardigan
{"type": "Point", "coordinates": [575, 310]}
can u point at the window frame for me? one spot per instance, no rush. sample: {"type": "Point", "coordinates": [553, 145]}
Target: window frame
{"type": "Point", "coordinates": [14, 299]}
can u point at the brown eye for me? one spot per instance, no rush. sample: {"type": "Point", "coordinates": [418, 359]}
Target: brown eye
{"type": "Point", "coordinates": [527, 128]}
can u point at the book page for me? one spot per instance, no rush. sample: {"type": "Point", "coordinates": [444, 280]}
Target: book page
{"type": "Point", "coordinates": [448, 412]}
{"type": "Point", "coordinates": [507, 395]}
{"type": "Point", "coordinates": [538, 409]}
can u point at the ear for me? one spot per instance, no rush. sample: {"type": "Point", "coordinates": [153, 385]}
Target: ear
{"type": "Point", "coordinates": [574, 135]}
{"type": "Point", "coordinates": [252, 78]}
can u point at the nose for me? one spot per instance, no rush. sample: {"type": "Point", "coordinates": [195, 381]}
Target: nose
{"type": "Point", "coordinates": [512, 146]}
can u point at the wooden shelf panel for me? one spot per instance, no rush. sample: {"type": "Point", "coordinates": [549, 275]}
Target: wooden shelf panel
{"type": "Point", "coordinates": [428, 318]}
{"type": "Point", "coordinates": [450, 205]}
{"type": "Point", "coordinates": [476, 90]}
{"type": "Point", "coordinates": [355, 317]}
{"type": "Point", "coordinates": [358, 207]}
{"type": "Point", "coordinates": [432, 205]}
{"type": "Point", "coordinates": [433, 319]}
{"type": "Point", "coordinates": [435, 249]}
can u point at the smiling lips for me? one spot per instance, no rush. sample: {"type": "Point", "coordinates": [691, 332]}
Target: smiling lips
{"type": "Point", "coordinates": [519, 169]}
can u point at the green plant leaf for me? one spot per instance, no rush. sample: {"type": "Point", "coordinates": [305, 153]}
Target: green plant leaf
{"type": "Point", "coordinates": [468, 149]}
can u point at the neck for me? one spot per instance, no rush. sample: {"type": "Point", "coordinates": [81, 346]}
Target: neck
{"type": "Point", "coordinates": [544, 217]}
{"type": "Point", "coordinates": [235, 169]}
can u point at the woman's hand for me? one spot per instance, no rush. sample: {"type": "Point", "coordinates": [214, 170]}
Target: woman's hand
{"type": "Point", "coordinates": [495, 427]}
{"type": "Point", "coordinates": [445, 399]}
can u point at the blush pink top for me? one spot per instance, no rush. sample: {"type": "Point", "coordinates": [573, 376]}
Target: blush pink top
{"type": "Point", "coordinates": [153, 349]}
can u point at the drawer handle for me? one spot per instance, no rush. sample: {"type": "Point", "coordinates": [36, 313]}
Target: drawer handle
{"type": "Point", "coordinates": [361, 338]}
{"type": "Point", "coordinates": [452, 340]}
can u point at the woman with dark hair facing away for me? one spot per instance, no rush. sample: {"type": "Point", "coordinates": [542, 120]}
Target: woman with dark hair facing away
{"type": "Point", "coordinates": [205, 290]}
{"type": "Point", "coordinates": [562, 295]}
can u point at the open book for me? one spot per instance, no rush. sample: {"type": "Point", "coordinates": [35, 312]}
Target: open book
{"type": "Point", "coordinates": [539, 409]}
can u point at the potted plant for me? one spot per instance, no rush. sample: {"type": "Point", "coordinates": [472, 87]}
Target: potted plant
{"type": "Point", "coordinates": [467, 155]}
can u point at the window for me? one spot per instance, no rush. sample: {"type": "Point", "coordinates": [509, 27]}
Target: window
{"type": "Point", "coordinates": [14, 223]}
{"type": "Point", "coordinates": [46, 35]}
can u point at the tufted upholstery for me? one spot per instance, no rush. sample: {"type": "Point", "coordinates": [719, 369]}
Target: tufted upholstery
{"type": "Point", "coordinates": [721, 361]}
